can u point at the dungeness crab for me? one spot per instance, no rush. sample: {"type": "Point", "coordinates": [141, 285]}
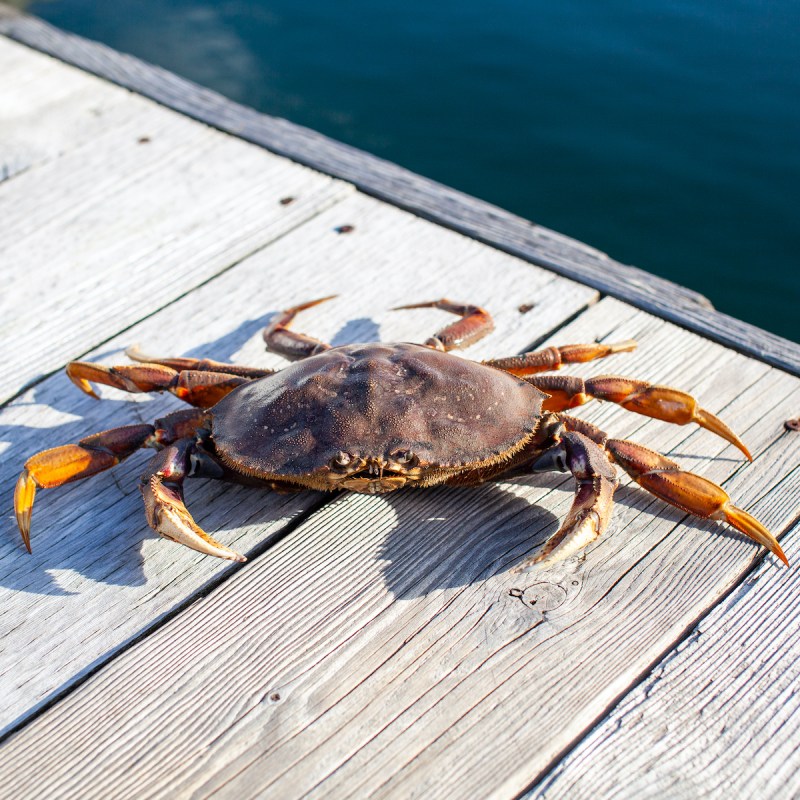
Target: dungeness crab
{"type": "Point", "coordinates": [378, 417]}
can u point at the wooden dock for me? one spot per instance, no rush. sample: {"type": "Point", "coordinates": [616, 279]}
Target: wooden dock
{"type": "Point", "coordinates": [372, 646]}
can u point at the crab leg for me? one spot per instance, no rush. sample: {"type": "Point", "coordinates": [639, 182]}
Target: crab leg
{"type": "Point", "coordinates": [198, 365]}
{"type": "Point", "coordinates": [699, 496]}
{"type": "Point", "coordinates": [91, 455]}
{"type": "Point", "coordinates": [196, 387]}
{"type": "Point", "coordinates": [162, 491]}
{"type": "Point", "coordinates": [552, 358]}
{"type": "Point", "coordinates": [293, 345]}
{"type": "Point", "coordinates": [593, 502]}
{"type": "Point", "coordinates": [659, 402]}
{"type": "Point", "coordinates": [565, 443]}
{"type": "Point", "coordinates": [474, 324]}
{"type": "Point", "coordinates": [71, 462]}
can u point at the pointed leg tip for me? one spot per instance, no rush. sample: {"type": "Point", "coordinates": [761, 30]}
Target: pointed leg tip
{"type": "Point", "coordinates": [750, 526]}
{"type": "Point", "coordinates": [24, 495]}
{"type": "Point", "coordinates": [711, 422]}
{"type": "Point", "coordinates": [625, 346]}
{"type": "Point", "coordinates": [427, 304]}
{"type": "Point", "coordinates": [24, 523]}
{"type": "Point", "coordinates": [84, 385]}
{"type": "Point", "coordinates": [532, 564]}
{"type": "Point", "coordinates": [134, 353]}
{"type": "Point", "coordinates": [212, 547]}
{"type": "Point", "coordinates": [310, 304]}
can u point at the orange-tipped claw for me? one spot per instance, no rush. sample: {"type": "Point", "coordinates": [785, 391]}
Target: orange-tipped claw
{"type": "Point", "coordinates": [751, 527]}
{"type": "Point", "coordinates": [24, 495]}
{"type": "Point", "coordinates": [705, 419]}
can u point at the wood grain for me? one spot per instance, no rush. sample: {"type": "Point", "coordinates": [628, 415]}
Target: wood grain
{"type": "Point", "coordinates": [424, 197]}
{"type": "Point", "coordinates": [375, 646]}
{"type": "Point", "coordinates": [116, 227]}
{"type": "Point", "coordinates": [383, 648]}
{"type": "Point", "coordinates": [718, 716]}
{"type": "Point", "coordinates": [47, 108]}
{"type": "Point", "coordinates": [92, 547]}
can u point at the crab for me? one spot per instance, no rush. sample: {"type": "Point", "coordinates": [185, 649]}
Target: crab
{"type": "Point", "coordinates": [374, 418]}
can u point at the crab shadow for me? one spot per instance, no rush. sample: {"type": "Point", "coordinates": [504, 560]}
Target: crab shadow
{"type": "Point", "coordinates": [96, 527]}
{"type": "Point", "coordinates": [362, 329]}
{"type": "Point", "coordinates": [450, 537]}
{"type": "Point", "coordinates": [442, 538]}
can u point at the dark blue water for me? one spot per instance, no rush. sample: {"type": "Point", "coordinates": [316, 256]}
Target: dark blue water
{"type": "Point", "coordinates": [666, 133]}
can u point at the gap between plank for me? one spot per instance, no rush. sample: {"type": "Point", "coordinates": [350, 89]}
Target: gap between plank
{"type": "Point", "coordinates": [40, 378]}
{"type": "Point", "coordinates": [180, 607]}
{"type": "Point", "coordinates": [199, 594]}
{"type": "Point", "coordinates": [685, 635]}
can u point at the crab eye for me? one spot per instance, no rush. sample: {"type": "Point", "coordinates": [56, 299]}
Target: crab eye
{"type": "Point", "coordinates": [341, 459]}
{"type": "Point", "coordinates": [404, 457]}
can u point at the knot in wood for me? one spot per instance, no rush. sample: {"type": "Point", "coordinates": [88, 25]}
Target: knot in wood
{"type": "Point", "coordinates": [544, 596]}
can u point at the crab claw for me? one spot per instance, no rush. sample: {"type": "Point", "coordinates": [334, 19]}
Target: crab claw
{"type": "Point", "coordinates": [72, 462]}
{"type": "Point", "coordinates": [167, 515]}
{"type": "Point", "coordinates": [588, 518]}
{"type": "Point", "coordinates": [129, 377]}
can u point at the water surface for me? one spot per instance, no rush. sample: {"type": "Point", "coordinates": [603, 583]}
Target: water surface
{"type": "Point", "coordinates": [665, 133]}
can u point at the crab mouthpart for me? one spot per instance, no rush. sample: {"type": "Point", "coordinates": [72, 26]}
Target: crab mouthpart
{"type": "Point", "coordinates": [378, 485]}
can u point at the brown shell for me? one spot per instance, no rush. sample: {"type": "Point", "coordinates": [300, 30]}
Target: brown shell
{"type": "Point", "coordinates": [372, 400]}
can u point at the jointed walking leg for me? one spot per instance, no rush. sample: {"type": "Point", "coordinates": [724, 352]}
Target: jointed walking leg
{"type": "Point", "coordinates": [641, 397]}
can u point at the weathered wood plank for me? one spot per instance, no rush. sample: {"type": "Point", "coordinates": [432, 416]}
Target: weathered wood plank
{"type": "Point", "coordinates": [444, 684]}
{"type": "Point", "coordinates": [121, 225]}
{"type": "Point", "coordinates": [48, 107]}
{"type": "Point", "coordinates": [90, 546]}
{"type": "Point", "coordinates": [424, 197]}
{"type": "Point", "coordinates": [717, 717]}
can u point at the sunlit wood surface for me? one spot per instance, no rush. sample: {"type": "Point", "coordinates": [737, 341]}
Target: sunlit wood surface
{"type": "Point", "coordinates": [371, 646]}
